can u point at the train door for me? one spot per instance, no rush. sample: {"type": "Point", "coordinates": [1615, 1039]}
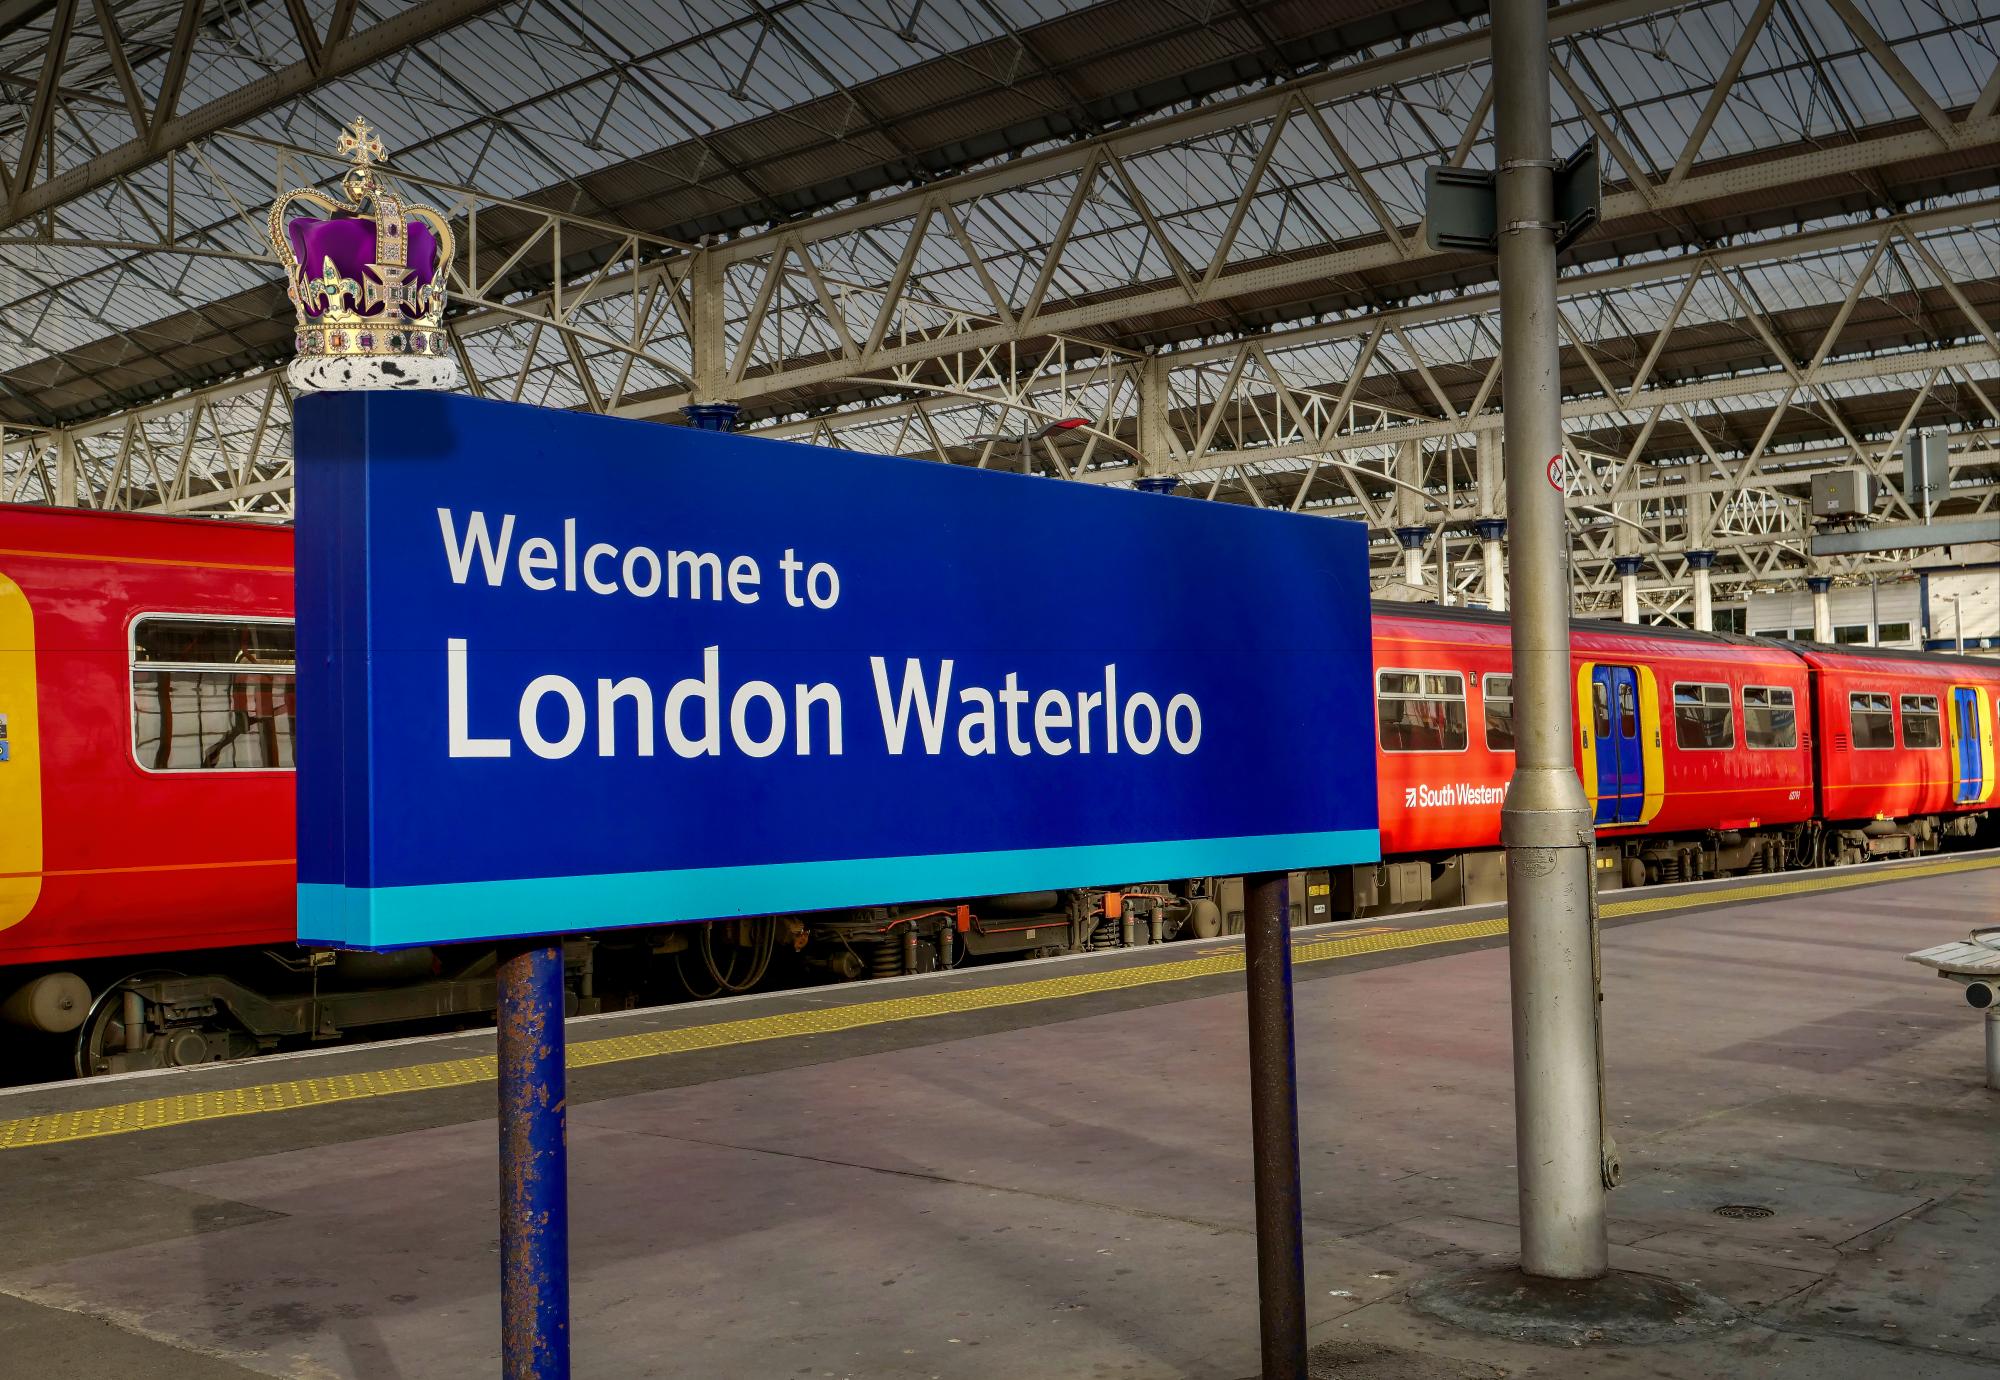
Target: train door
{"type": "Point", "coordinates": [1621, 762]}
{"type": "Point", "coordinates": [1968, 747]}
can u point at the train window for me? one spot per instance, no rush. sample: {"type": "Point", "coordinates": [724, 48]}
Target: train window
{"type": "Point", "coordinates": [1703, 717]}
{"type": "Point", "coordinates": [212, 694]}
{"type": "Point", "coordinates": [1770, 717]}
{"type": "Point", "coordinates": [1421, 711]}
{"type": "Point", "coordinates": [1498, 691]}
{"type": "Point", "coordinates": [1870, 721]}
{"type": "Point", "coordinates": [1921, 725]}
{"type": "Point", "coordinates": [1600, 711]}
{"type": "Point", "coordinates": [197, 642]}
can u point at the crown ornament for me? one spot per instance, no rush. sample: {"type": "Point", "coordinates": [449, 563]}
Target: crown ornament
{"type": "Point", "coordinates": [365, 273]}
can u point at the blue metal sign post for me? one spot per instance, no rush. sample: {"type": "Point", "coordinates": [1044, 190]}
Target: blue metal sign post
{"type": "Point", "coordinates": [534, 1163]}
{"type": "Point", "coordinates": [566, 673]}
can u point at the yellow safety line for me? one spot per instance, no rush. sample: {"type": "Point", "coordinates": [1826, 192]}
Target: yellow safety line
{"type": "Point", "coordinates": [1765, 890]}
{"type": "Point", "coordinates": [184, 1108]}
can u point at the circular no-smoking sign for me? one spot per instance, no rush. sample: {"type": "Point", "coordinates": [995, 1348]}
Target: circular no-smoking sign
{"type": "Point", "coordinates": [1556, 473]}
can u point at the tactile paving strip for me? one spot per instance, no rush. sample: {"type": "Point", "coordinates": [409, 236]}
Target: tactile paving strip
{"type": "Point", "coordinates": [180, 1109]}
{"type": "Point", "coordinates": [1747, 890]}
{"type": "Point", "coordinates": [185, 1108]}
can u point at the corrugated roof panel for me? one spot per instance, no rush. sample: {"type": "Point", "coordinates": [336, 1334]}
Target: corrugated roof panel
{"type": "Point", "coordinates": [1656, 70]}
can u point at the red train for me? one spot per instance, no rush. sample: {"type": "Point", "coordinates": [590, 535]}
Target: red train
{"type": "Point", "coordinates": [146, 821]}
{"type": "Point", "coordinates": [1702, 753]}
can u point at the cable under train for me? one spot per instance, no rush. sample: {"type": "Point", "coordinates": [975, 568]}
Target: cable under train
{"type": "Point", "coordinates": [146, 805]}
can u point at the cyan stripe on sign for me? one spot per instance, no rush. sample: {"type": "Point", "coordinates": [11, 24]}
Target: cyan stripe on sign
{"type": "Point", "coordinates": [454, 912]}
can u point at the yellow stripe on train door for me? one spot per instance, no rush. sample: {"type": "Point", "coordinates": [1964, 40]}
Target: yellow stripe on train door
{"type": "Point", "coordinates": [1984, 703]}
{"type": "Point", "coordinates": [21, 772]}
{"type": "Point", "coordinates": [1649, 745]}
{"type": "Point", "coordinates": [1586, 761]}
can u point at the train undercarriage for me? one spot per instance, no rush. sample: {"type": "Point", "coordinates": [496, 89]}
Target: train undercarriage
{"type": "Point", "coordinates": [204, 1007]}
{"type": "Point", "coordinates": [1405, 885]}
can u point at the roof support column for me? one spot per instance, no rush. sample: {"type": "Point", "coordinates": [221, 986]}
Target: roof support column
{"type": "Point", "coordinates": [1546, 822]}
{"type": "Point", "coordinates": [1153, 398]}
{"type": "Point", "coordinates": [706, 338]}
{"type": "Point", "coordinates": [707, 408]}
{"type": "Point", "coordinates": [1822, 607]}
{"type": "Point", "coordinates": [1413, 539]}
{"type": "Point", "coordinates": [1627, 559]}
{"type": "Point", "coordinates": [1411, 530]}
{"type": "Point", "coordinates": [1700, 563]}
{"type": "Point", "coordinates": [66, 474]}
{"type": "Point", "coordinates": [1628, 586]}
{"type": "Point", "coordinates": [1408, 471]}
{"type": "Point", "coordinates": [1491, 530]}
{"type": "Point", "coordinates": [1489, 474]}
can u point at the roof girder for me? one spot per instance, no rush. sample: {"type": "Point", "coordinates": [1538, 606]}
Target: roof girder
{"type": "Point", "coordinates": [330, 57]}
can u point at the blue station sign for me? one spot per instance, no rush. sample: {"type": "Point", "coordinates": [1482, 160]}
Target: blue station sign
{"type": "Point", "coordinates": [562, 672]}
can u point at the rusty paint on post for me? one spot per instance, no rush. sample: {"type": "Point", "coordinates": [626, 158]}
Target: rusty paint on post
{"type": "Point", "coordinates": [534, 1165]}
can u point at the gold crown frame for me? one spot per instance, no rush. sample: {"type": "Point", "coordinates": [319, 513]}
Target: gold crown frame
{"type": "Point", "coordinates": [336, 330]}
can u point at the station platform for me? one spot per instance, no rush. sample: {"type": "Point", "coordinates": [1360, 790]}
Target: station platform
{"type": "Point", "coordinates": [1042, 1171]}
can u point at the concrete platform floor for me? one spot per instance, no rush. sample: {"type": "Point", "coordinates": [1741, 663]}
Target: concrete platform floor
{"type": "Point", "coordinates": [1062, 1189]}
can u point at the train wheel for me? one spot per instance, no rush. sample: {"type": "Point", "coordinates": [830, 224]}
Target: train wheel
{"type": "Point", "coordinates": [101, 1037]}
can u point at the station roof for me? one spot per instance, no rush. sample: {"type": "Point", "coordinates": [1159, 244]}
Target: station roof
{"type": "Point", "coordinates": [1804, 194]}
{"type": "Point", "coordinates": [679, 121]}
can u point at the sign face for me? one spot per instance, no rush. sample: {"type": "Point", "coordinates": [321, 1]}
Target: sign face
{"type": "Point", "coordinates": [562, 672]}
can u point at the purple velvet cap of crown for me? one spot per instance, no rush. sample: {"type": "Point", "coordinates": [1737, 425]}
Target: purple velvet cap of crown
{"type": "Point", "coordinates": [349, 240]}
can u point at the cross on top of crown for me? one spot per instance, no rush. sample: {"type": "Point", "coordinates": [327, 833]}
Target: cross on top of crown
{"type": "Point", "coordinates": [362, 143]}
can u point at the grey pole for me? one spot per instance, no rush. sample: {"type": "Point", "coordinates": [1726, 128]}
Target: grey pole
{"type": "Point", "coordinates": [1546, 821]}
{"type": "Point", "coordinates": [1274, 1126]}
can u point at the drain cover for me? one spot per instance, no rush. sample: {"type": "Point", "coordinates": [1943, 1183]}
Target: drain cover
{"type": "Point", "coordinates": [1745, 1212]}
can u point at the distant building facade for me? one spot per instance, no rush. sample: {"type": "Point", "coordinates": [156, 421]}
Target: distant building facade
{"type": "Point", "coordinates": [1928, 608]}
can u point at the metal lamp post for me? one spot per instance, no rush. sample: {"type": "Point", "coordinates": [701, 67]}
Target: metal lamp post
{"type": "Point", "coordinates": [1564, 1288]}
{"type": "Point", "coordinates": [1546, 821]}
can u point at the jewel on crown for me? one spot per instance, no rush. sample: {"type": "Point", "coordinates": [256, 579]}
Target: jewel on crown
{"type": "Point", "coordinates": [366, 279]}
